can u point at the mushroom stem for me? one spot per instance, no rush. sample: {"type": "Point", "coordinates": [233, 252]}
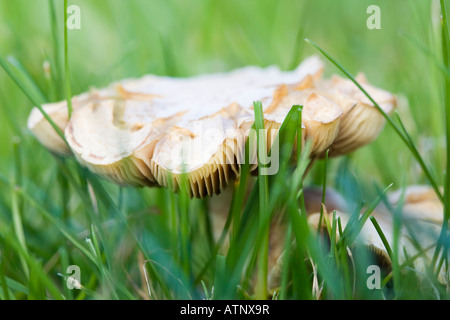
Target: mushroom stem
{"type": "Point", "coordinates": [219, 207]}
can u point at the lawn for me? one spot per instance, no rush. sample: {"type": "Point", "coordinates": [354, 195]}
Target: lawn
{"type": "Point", "coordinates": [151, 243]}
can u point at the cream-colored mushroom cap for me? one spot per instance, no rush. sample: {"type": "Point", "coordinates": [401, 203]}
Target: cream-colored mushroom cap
{"type": "Point", "coordinates": [150, 131]}
{"type": "Point", "coordinates": [44, 132]}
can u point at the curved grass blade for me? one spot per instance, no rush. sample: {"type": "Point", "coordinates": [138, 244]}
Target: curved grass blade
{"type": "Point", "coordinates": [5, 65]}
{"type": "Point", "coordinates": [394, 126]}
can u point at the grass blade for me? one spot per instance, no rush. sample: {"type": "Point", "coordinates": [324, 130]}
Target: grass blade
{"type": "Point", "coordinates": [66, 63]}
{"type": "Point", "coordinates": [5, 65]}
{"type": "Point", "coordinates": [445, 54]}
{"type": "Point", "coordinates": [394, 126]}
{"type": "Point", "coordinates": [382, 236]}
{"type": "Point", "coordinates": [56, 71]}
{"type": "Point", "coordinates": [263, 185]}
{"type": "Point", "coordinates": [324, 190]}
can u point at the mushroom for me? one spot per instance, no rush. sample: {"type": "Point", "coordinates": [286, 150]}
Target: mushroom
{"type": "Point", "coordinates": [421, 220]}
{"type": "Point", "coordinates": [153, 130]}
{"type": "Point", "coordinates": [149, 131]}
{"type": "Point", "coordinates": [421, 216]}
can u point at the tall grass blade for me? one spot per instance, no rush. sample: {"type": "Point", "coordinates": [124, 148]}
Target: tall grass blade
{"type": "Point", "coordinates": [446, 57]}
{"type": "Point", "coordinates": [263, 185]}
{"type": "Point", "coordinates": [66, 63]}
{"type": "Point", "coordinates": [394, 126]}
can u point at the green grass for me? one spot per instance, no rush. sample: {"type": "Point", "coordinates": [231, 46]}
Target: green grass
{"type": "Point", "coordinates": [66, 62]}
{"type": "Point", "coordinates": [153, 244]}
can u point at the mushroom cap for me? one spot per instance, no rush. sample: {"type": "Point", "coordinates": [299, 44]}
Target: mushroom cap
{"type": "Point", "coordinates": [149, 131]}
{"type": "Point", "coordinates": [44, 132]}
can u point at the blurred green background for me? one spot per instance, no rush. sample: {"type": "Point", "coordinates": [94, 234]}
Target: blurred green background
{"type": "Point", "coordinates": [131, 38]}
